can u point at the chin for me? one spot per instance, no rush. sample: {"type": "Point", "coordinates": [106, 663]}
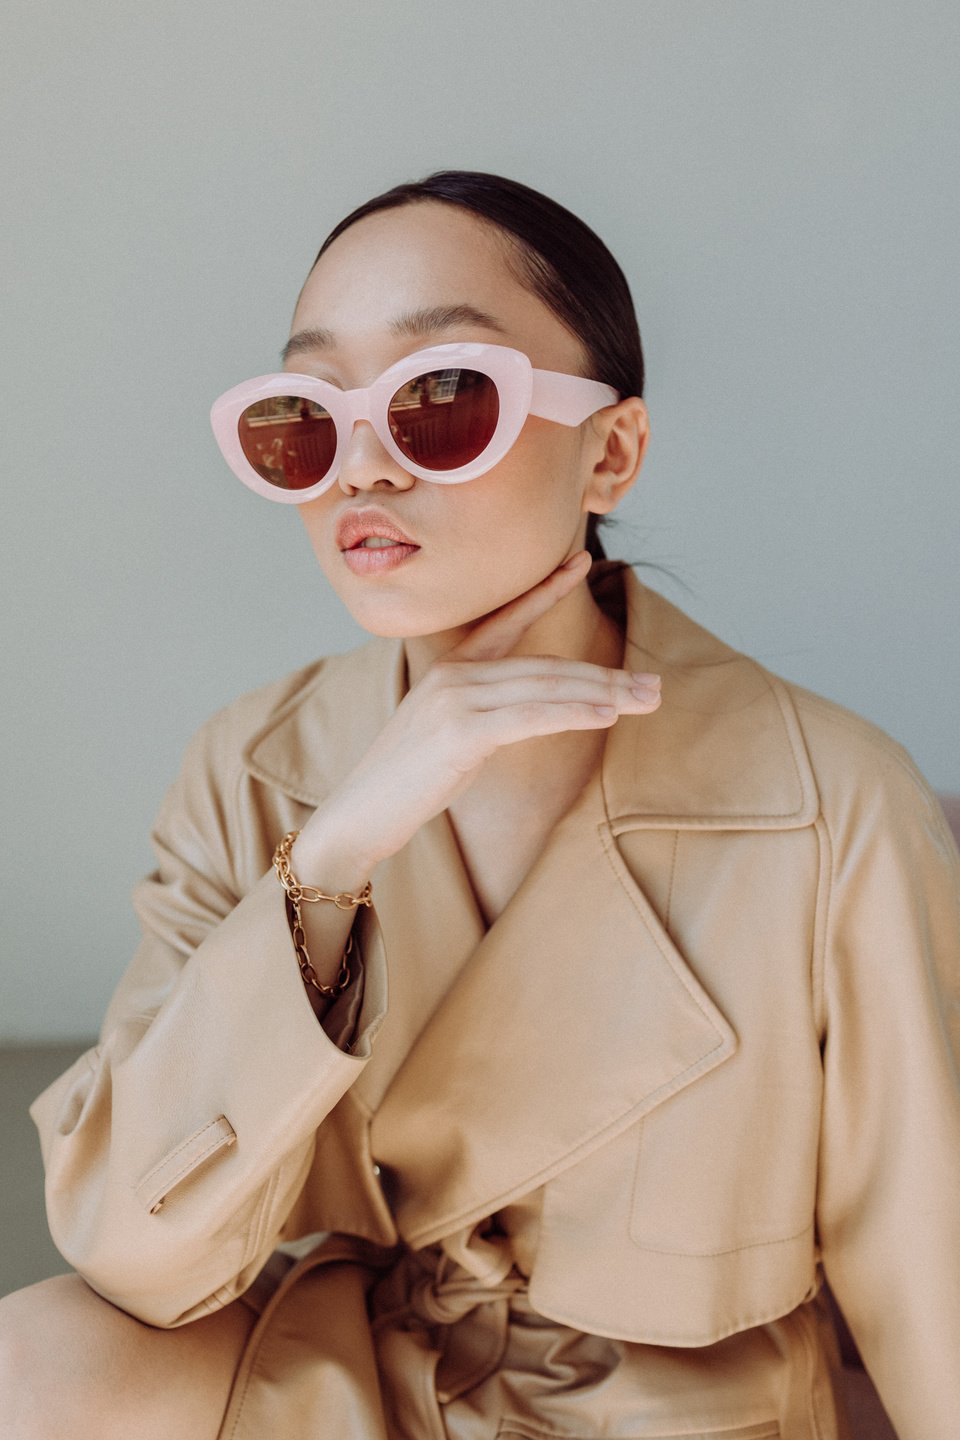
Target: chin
{"type": "Point", "coordinates": [440, 604]}
{"type": "Point", "coordinates": [377, 620]}
{"type": "Point", "coordinates": [391, 617]}
{"type": "Point", "coordinates": [391, 629]}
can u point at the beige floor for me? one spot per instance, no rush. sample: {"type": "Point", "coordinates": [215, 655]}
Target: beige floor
{"type": "Point", "coordinates": [27, 1253]}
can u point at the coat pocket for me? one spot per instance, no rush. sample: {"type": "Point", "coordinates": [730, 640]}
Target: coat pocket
{"type": "Point", "coordinates": [705, 1284]}
{"type": "Point", "coordinates": [708, 1185]}
{"type": "Point", "coordinates": [174, 1168]}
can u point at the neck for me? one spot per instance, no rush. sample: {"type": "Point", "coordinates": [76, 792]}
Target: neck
{"type": "Point", "coordinates": [574, 629]}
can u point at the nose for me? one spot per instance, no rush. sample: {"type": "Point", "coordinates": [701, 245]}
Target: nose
{"type": "Point", "coordinates": [366, 463]}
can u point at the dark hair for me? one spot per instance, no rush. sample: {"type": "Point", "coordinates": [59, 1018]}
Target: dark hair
{"type": "Point", "coordinates": [556, 256]}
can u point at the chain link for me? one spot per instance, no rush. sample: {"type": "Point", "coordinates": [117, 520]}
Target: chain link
{"type": "Point", "coordinates": [297, 894]}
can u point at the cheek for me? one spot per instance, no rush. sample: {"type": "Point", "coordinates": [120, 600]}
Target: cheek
{"type": "Point", "coordinates": [317, 518]}
{"type": "Point", "coordinates": [536, 491]}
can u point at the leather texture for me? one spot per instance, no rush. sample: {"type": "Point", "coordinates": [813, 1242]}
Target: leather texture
{"type": "Point", "coordinates": [579, 1174]}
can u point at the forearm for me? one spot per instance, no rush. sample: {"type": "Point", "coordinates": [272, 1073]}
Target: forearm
{"type": "Point", "coordinates": [175, 1148]}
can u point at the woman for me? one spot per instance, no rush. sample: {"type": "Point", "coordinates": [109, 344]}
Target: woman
{"type": "Point", "coordinates": [666, 1037]}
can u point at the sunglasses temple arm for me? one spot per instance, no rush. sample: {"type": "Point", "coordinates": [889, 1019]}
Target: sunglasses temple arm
{"type": "Point", "coordinates": [568, 399]}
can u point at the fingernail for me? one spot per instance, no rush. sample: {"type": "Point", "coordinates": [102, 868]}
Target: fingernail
{"type": "Point", "coordinates": [643, 678]}
{"type": "Point", "coordinates": [575, 560]}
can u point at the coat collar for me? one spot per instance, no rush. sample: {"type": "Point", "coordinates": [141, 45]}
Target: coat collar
{"type": "Point", "coordinates": [724, 751]}
{"type": "Point", "coordinates": [511, 1053]}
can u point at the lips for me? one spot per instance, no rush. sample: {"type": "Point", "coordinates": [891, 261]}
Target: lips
{"type": "Point", "coordinates": [354, 527]}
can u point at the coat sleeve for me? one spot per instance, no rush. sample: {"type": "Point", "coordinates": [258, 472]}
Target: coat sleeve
{"type": "Point", "coordinates": [888, 1209]}
{"type": "Point", "coordinates": [175, 1148]}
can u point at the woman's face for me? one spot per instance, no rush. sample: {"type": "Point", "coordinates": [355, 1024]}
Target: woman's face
{"type": "Point", "coordinates": [486, 540]}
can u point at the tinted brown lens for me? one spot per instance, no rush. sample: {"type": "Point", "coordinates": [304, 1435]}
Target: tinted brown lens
{"type": "Point", "coordinates": [289, 441]}
{"type": "Point", "coordinates": [445, 418]}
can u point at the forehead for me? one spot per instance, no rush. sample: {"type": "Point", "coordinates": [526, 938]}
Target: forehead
{"type": "Point", "coordinates": [424, 257]}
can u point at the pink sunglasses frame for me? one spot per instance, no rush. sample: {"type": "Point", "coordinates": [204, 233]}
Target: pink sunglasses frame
{"type": "Point", "coordinates": [523, 391]}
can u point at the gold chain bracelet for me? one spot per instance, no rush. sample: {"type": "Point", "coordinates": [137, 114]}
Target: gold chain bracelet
{"type": "Point", "coordinates": [297, 893]}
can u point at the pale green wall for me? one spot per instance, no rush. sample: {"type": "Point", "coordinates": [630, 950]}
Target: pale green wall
{"type": "Point", "coordinates": [780, 184]}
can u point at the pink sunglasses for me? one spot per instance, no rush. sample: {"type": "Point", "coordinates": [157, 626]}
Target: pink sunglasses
{"type": "Point", "coordinates": [446, 414]}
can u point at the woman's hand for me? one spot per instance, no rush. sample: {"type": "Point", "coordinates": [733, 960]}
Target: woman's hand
{"type": "Point", "coordinates": [471, 701]}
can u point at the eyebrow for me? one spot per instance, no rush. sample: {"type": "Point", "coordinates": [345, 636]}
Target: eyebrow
{"type": "Point", "coordinates": [413, 324]}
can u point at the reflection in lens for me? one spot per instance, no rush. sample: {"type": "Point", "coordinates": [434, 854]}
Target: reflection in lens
{"type": "Point", "coordinates": [444, 419]}
{"type": "Point", "coordinates": [288, 440]}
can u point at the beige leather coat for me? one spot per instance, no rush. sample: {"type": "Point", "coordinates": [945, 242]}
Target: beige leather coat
{"type": "Point", "coordinates": [581, 1174]}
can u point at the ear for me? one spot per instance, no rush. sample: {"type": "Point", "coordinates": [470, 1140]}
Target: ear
{"type": "Point", "coordinates": [617, 445]}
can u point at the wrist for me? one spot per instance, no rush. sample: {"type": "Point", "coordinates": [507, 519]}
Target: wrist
{"type": "Point", "coordinates": [331, 932]}
{"type": "Point", "coordinates": [324, 855]}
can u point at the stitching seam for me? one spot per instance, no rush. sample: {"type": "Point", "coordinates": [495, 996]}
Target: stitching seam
{"type": "Point", "coordinates": [221, 1139]}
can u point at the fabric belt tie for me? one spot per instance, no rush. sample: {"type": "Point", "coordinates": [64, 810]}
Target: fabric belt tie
{"type": "Point", "coordinates": [474, 1311]}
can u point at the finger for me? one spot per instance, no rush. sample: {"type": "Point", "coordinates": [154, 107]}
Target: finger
{"type": "Point", "coordinates": [497, 633]}
{"type": "Point", "coordinates": [511, 723]}
{"type": "Point", "coordinates": [599, 688]}
{"type": "Point", "coordinates": [560, 667]}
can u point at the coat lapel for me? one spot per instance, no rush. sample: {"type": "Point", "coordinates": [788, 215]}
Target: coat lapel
{"type": "Point", "coordinates": [431, 926]}
{"type": "Point", "coordinates": [573, 1016]}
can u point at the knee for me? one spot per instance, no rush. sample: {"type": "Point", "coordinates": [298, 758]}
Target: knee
{"type": "Point", "coordinates": [46, 1390]}
{"type": "Point", "coordinates": [21, 1385]}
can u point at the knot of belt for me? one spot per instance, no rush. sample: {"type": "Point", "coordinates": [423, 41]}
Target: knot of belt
{"type": "Point", "coordinates": [446, 1301]}
{"type": "Point", "coordinates": [476, 1310]}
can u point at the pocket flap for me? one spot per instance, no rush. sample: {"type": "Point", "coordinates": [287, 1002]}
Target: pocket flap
{"type": "Point", "coordinates": [155, 1186]}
